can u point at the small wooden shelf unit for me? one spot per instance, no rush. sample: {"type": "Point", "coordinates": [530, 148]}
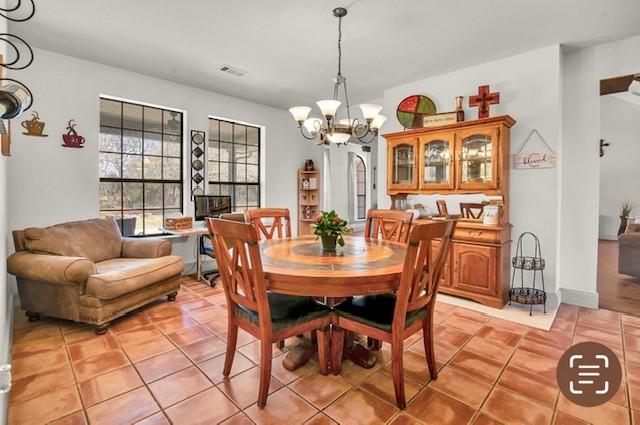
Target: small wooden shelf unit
{"type": "Point", "coordinates": [479, 263]}
{"type": "Point", "coordinates": [308, 200]}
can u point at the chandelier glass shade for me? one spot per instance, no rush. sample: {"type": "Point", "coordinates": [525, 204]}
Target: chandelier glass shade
{"type": "Point", "coordinates": [332, 129]}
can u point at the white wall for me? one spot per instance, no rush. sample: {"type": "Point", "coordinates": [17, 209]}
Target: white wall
{"type": "Point", "coordinates": [338, 172]}
{"type": "Point", "coordinates": [580, 173]}
{"type": "Point", "coordinates": [51, 184]}
{"type": "Point", "coordinates": [337, 163]}
{"type": "Point", "coordinates": [619, 170]}
{"type": "Point", "coordinates": [529, 86]}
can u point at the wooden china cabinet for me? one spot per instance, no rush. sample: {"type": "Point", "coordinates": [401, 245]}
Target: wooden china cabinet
{"type": "Point", "coordinates": [464, 158]}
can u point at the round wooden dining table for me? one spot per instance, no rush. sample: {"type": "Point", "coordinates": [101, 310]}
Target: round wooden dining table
{"type": "Point", "coordinates": [299, 266]}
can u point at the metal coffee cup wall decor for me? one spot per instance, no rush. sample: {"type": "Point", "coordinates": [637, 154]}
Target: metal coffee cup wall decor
{"type": "Point", "coordinates": [535, 159]}
{"type": "Point", "coordinates": [72, 139]}
{"type": "Point", "coordinates": [34, 126]}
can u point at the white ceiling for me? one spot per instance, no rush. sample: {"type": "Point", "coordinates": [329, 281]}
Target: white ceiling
{"type": "Point", "coordinates": [288, 47]}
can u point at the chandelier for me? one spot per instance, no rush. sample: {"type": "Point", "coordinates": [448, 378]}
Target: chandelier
{"type": "Point", "coordinates": [332, 129]}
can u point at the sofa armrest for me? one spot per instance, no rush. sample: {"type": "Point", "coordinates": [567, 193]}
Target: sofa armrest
{"type": "Point", "coordinates": [145, 248]}
{"type": "Point", "coordinates": [633, 228]}
{"type": "Point", "coordinates": [51, 268]}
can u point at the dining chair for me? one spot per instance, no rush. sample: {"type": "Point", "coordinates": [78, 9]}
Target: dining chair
{"type": "Point", "coordinates": [388, 225]}
{"type": "Point", "coordinates": [442, 208]}
{"type": "Point", "coordinates": [280, 222]}
{"type": "Point", "coordinates": [394, 317]}
{"type": "Point", "coordinates": [471, 210]}
{"type": "Point", "coordinates": [268, 316]}
{"type": "Point", "coordinates": [280, 226]}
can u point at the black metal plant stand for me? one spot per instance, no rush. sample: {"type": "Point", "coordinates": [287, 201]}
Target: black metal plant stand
{"type": "Point", "coordinates": [528, 295]}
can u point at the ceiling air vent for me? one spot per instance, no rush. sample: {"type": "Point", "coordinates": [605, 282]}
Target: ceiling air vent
{"type": "Point", "coordinates": [232, 70]}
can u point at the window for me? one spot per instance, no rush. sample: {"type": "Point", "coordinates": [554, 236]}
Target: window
{"type": "Point", "coordinates": [140, 165]}
{"type": "Point", "coordinates": [234, 163]}
{"type": "Point", "coordinates": [361, 187]}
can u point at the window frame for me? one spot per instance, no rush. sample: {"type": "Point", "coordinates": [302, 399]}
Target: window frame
{"type": "Point", "coordinates": [232, 182]}
{"type": "Point", "coordinates": [120, 212]}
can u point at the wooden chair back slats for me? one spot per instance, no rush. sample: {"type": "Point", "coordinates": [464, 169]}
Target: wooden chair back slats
{"type": "Point", "coordinates": [422, 271]}
{"type": "Point", "coordinates": [442, 208]}
{"type": "Point", "coordinates": [240, 265]}
{"type": "Point", "coordinates": [389, 225]}
{"type": "Point", "coordinates": [280, 226]}
{"type": "Point", "coordinates": [471, 210]}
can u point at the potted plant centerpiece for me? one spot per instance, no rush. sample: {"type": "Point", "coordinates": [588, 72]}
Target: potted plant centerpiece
{"type": "Point", "coordinates": [330, 227]}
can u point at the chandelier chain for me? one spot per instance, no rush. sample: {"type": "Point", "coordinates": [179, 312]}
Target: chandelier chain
{"type": "Point", "coordinates": [339, 78]}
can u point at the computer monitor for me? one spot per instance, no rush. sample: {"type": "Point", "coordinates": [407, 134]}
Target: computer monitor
{"type": "Point", "coordinates": [211, 206]}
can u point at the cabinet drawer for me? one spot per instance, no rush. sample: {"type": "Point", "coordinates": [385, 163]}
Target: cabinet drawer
{"type": "Point", "coordinates": [477, 235]}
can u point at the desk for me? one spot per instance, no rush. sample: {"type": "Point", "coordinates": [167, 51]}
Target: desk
{"type": "Point", "coordinates": [199, 230]}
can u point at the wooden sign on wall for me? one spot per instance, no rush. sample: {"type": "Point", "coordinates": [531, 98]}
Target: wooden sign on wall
{"type": "Point", "coordinates": [535, 159]}
{"type": "Point", "coordinates": [546, 159]}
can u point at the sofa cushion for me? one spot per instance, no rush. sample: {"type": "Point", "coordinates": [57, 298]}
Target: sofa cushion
{"type": "Point", "coordinates": [121, 276]}
{"type": "Point", "coordinates": [376, 310]}
{"type": "Point", "coordinates": [97, 239]}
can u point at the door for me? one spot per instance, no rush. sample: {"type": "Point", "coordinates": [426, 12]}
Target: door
{"type": "Point", "coordinates": [436, 161]}
{"type": "Point", "coordinates": [402, 169]}
{"type": "Point", "coordinates": [477, 153]}
{"type": "Point", "coordinates": [445, 279]}
{"type": "Point", "coordinates": [474, 268]}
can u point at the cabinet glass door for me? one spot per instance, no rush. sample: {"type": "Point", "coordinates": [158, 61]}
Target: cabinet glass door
{"type": "Point", "coordinates": [477, 160]}
{"type": "Point", "coordinates": [404, 163]}
{"type": "Point", "coordinates": [436, 168]}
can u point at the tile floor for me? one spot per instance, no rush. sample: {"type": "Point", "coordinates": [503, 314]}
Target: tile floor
{"type": "Point", "coordinates": [163, 364]}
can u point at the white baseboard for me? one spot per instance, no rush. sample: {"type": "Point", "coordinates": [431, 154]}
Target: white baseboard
{"type": "Point", "coordinates": [580, 298]}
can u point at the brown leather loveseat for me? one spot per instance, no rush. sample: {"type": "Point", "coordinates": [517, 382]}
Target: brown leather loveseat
{"type": "Point", "coordinates": [629, 251]}
{"type": "Point", "coordinates": [87, 272]}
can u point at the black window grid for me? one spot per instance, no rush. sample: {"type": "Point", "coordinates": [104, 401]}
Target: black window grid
{"type": "Point", "coordinates": [144, 181]}
{"type": "Point", "coordinates": [232, 181]}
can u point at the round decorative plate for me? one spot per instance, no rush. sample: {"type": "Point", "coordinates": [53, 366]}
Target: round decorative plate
{"type": "Point", "coordinates": [411, 110]}
{"type": "Point", "coordinates": [197, 191]}
{"type": "Point", "coordinates": [197, 138]}
{"type": "Point", "coordinates": [197, 165]}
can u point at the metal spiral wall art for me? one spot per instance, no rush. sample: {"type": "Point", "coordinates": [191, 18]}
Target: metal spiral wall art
{"type": "Point", "coordinates": [15, 97]}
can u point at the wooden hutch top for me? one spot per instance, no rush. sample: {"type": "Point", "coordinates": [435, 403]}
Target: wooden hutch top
{"type": "Point", "coordinates": [466, 157]}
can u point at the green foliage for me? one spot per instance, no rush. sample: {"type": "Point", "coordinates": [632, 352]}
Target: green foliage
{"type": "Point", "coordinates": [331, 224]}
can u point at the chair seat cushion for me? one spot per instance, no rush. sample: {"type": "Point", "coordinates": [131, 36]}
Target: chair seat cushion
{"type": "Point", "coordinates": [121, 276]}
{"type": "Point", "coordinates": [376, 311]}
{"type": "Point", "coordinates": [287, 310]}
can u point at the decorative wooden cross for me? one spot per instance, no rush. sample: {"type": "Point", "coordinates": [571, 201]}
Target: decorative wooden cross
{"type": "Point", "coordinates": [483, 99]}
